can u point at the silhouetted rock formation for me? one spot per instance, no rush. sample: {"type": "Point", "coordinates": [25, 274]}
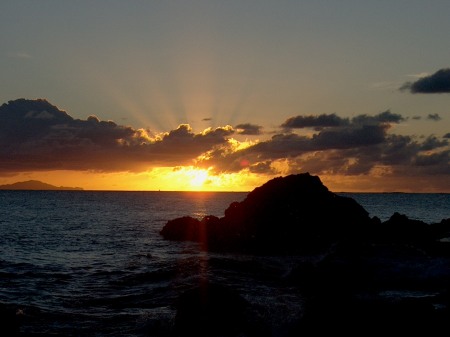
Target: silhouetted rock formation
{"type": "Point", "coordinates": [293, 213]}
{"type": "Point", "coordinates": [297, 213]}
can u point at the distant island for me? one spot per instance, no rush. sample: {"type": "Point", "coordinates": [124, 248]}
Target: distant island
{"type": "Point", "coordinates": [37, 185]}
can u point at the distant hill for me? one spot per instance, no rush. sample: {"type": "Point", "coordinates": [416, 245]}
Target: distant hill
{"type": "Point", "coordinates": [36, 185]}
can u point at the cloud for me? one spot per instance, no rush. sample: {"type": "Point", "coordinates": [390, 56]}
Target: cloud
{"type": "Point", "coordinates": [35, 135]}
{"type": "Point", "coordinates": [248, 129]}
{"type": "Point", "coordinates": [356, 146]}
{"type": "Point", "coordinates": [419, 75]}
{"type": "Point", "coordinates": [311, 121]}
{"type": "Point", "coordinates": [386, 117]}
{"type": "Point", "coordinates": [432, 143]}
{"type": "Point", "coordinates": [326, 121]}
{"type": "Point", "coordinates": [349, 137]}
{"type": "Point", "coordinates": [434, 117]}
{"type": "Point", "coordinates": [437, 83]}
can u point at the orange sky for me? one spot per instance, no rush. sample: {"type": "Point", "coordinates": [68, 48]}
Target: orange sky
{"type": "Point", "coordinates": [171, 179]}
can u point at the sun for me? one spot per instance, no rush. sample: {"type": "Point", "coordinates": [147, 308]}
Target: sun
{"type": "Point", "coordinates": [197, 177]}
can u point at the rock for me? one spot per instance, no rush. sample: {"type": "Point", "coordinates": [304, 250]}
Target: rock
{"type": "Point", "coordinates": [354, 316]}
{"type": "Point", "coordinates": [298, 214]}
{"type": "Point", "coordinates": [400, 228]}
{"type": "Point", "coordinates": [181, 229]}
{"type": "Point", "coordinates": [9, 321]}
{"type": "Point", "coordinates": [441, 230]}
{"type": "Point", "coordinates": [286, 214]}
{"type": "Point", "coordinates": [295, 212]}
{"type": "Point", "coordinates": [211, 309]}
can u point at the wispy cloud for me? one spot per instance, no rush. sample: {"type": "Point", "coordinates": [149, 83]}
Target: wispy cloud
{"type": "Point", "coordinates": [19, 55]}
{"type": "Point", "coordinates": [385, 85]}
{"type": "Point", "coordinates": [419, 75]}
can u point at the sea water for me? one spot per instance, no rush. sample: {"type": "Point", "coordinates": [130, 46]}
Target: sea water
{"type": "Point", "coordinates": [82, 263]}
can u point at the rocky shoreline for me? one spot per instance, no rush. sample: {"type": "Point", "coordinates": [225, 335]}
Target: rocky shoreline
{"type": "Point", "coordinates": [371, 277]}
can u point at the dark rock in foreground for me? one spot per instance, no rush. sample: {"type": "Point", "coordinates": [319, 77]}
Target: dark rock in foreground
{"type": "Point", "coordinates": [293, 213]}
{"type": "Point", "coordinates": [298, 214]}
{"type": "Point", "coordinates": [212, 309]}
{"type": "Point", "coordinates": [9, 321]}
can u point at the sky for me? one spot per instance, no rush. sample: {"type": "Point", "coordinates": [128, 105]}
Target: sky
{"type": "Point", "coordinates": [225, 95]}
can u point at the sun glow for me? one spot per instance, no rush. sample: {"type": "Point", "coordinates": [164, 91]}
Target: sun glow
{"type": "Point", "coordinates": [187, 178]}
{"type": "Point", "coordinates": [191, 178]}
{"type": "Point", "coordinates": [197, 177]}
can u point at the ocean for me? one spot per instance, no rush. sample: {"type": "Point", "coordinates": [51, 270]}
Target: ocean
{"type": "Point", "coordinates": [82, 263]}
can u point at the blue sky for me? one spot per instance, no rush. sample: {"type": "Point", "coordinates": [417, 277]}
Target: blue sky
{"type": "Point", "coordinates": [255, 64]}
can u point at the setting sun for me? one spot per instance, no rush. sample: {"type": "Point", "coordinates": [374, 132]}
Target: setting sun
{"type": "Point", "coordinates": [197, 177]}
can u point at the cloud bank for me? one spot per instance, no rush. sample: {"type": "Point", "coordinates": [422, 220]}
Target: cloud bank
{"type": "Point", "coordinates": [360, 145]}
{"type": "Point", "coordinates": [36, 135]}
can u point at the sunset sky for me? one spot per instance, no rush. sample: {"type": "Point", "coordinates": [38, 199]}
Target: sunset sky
{"type": "Point", "coordinates": [225, 95]}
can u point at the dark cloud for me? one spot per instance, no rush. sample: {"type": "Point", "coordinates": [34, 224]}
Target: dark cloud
{"type": "Point", "coordinates": [354, 147]}
{"type": "Point", "coordinates": [207, 119]}
{"type": "Point", "coordinates": [437, 83]}
{"type": "Point", "coordinates": [349, 137]}
{"type": "Point", "coordinates": [434, 117]}
{"type": "Point", "coordinates": [35, 135]}
{"type": "Point", "coordinates": [342, 162]}
{"type": "Point", "coordinates": [432, 164]}
{"type": "Point", "coordinates": [397, 149]}
{"type": "Point", "coordinates": [386, 117]}
{"type": "Point", "coordinates": [262, 168]}
{"type": "Point", "coordinates": [325, 121]}
{"type": "Point", "coordinates": [338, 133]}
{"type": "Point", "coordinates": [311, 121]}
{"type": "Point", "coordinates": [248, 129]}
{"type": "Point", "coordinates": [447, 135]}
{"type": "Point", "coordinates": [432, 143]}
